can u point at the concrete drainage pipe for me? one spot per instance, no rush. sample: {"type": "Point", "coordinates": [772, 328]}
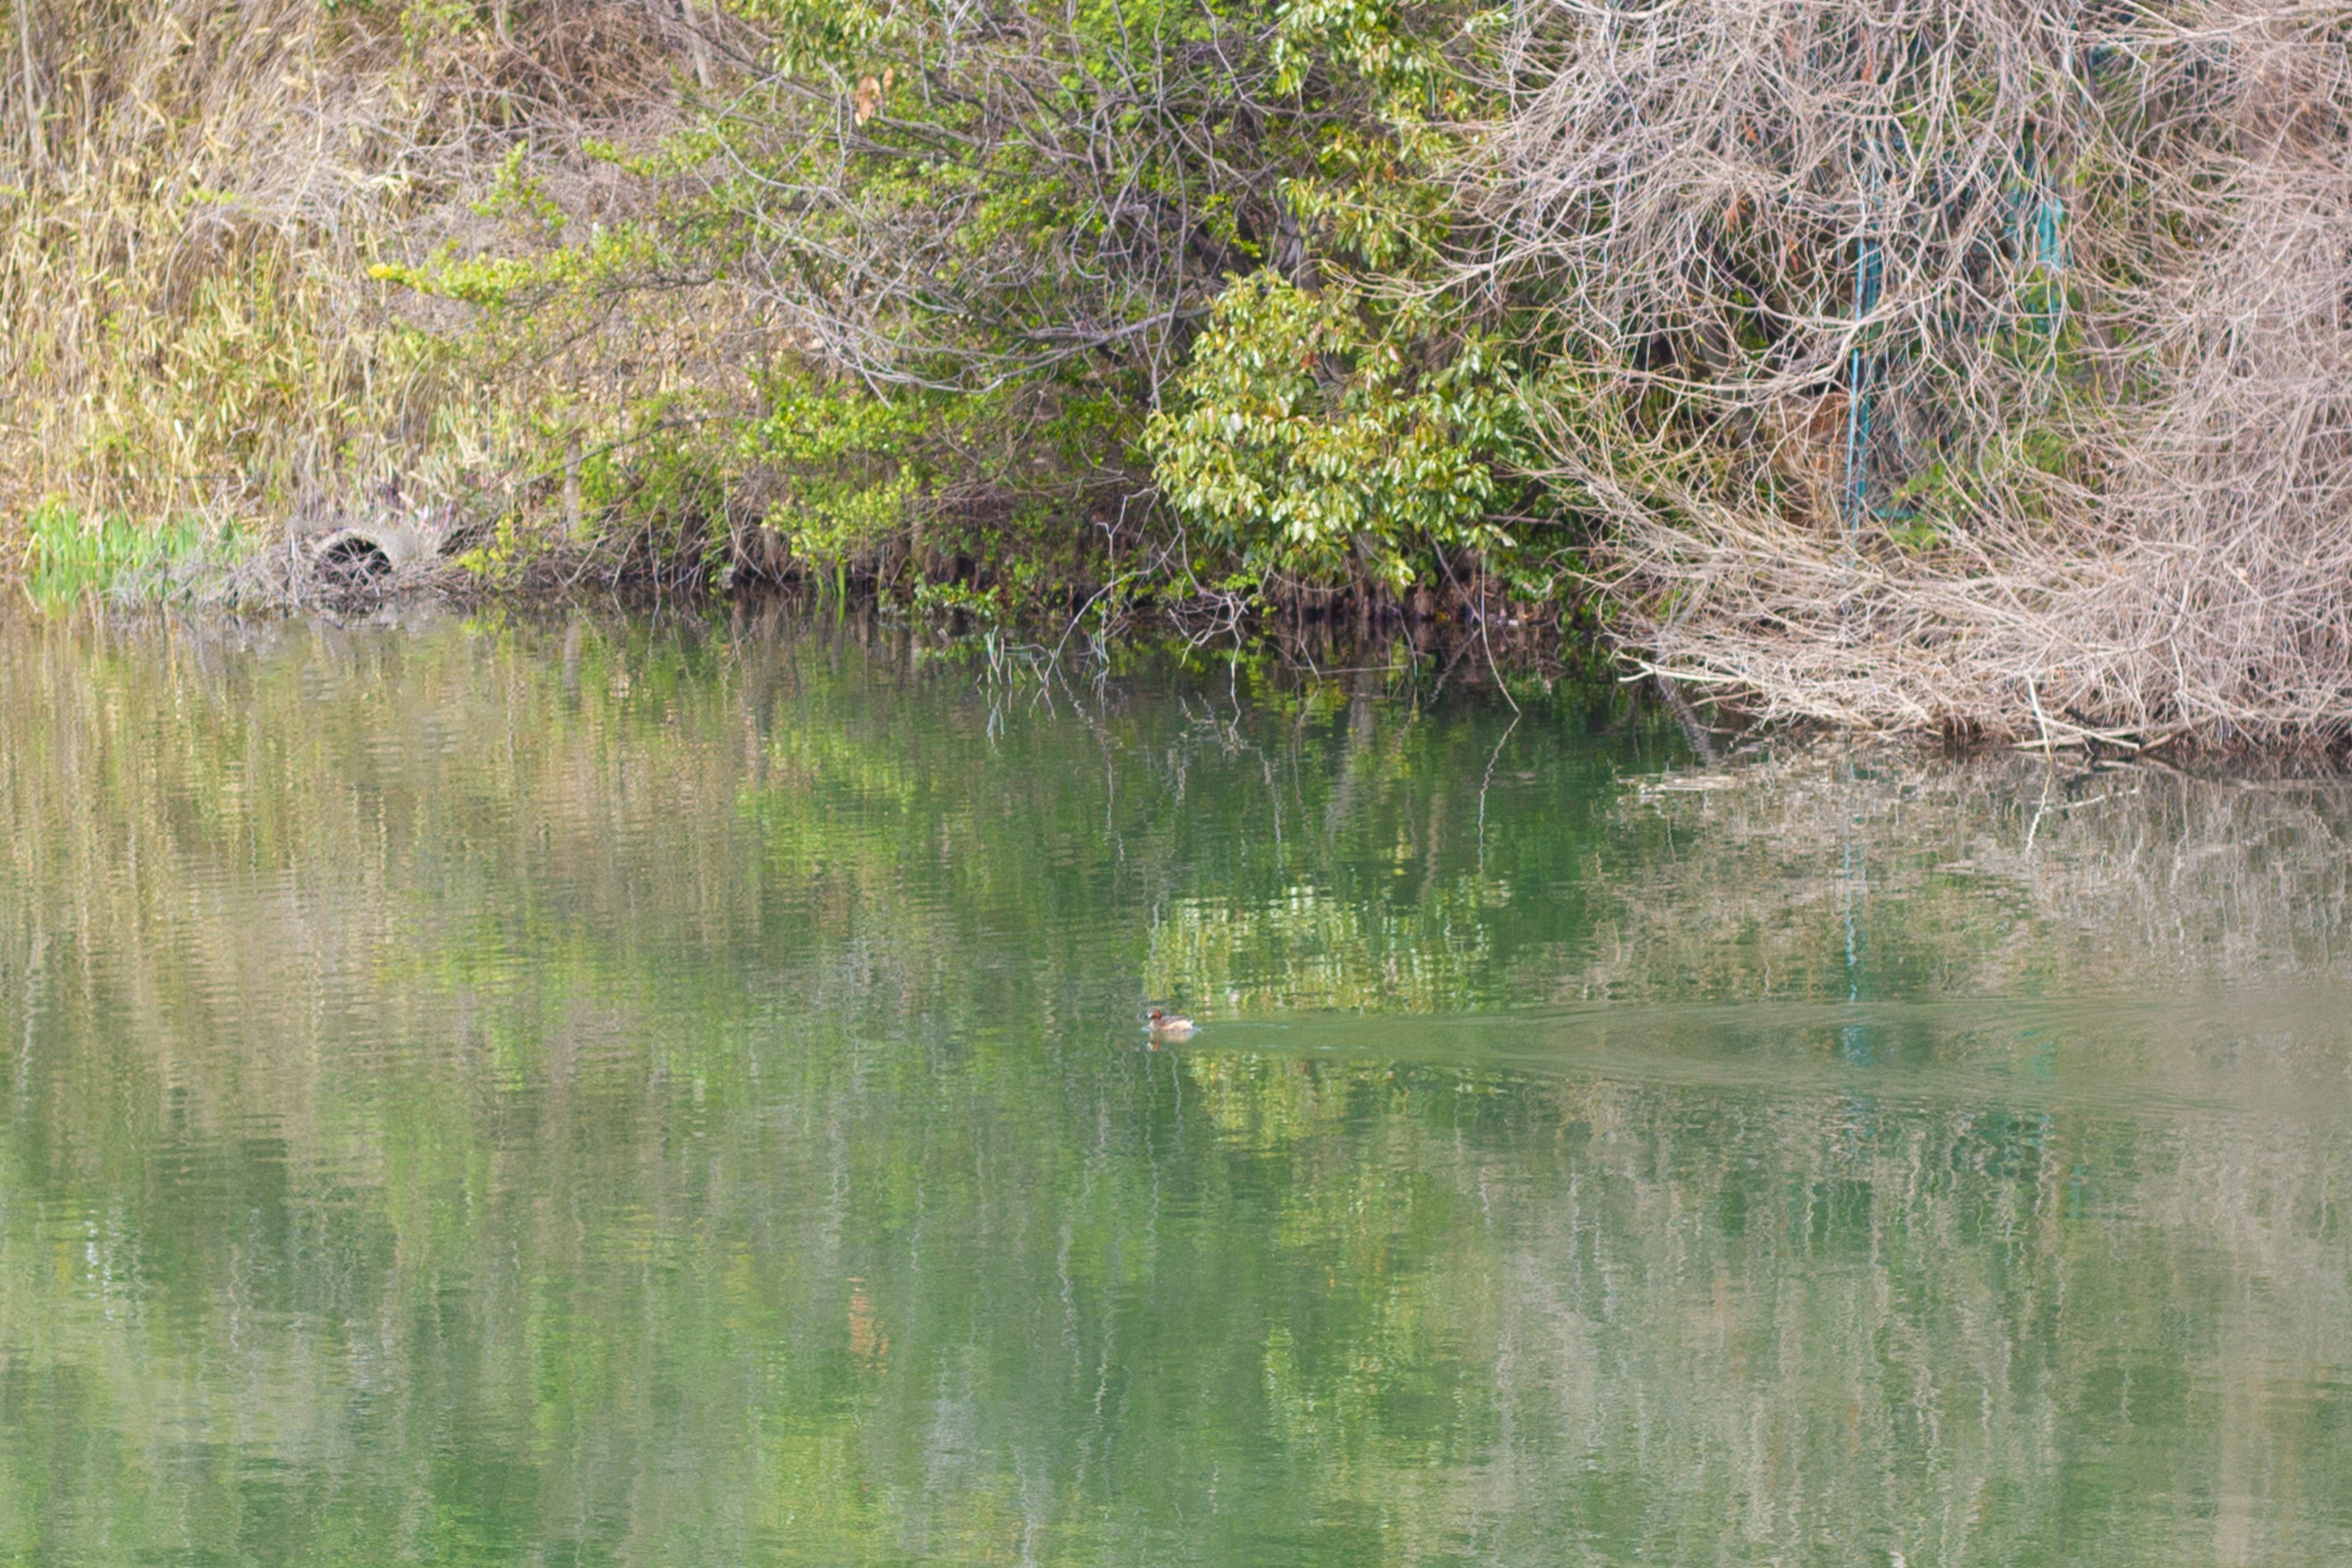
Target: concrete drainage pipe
{"type": "Point", "coordinates": [353, 557]}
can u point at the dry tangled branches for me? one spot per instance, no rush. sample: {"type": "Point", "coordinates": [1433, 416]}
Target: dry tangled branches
{"type": "Point", "coordinates": [1978, 364]}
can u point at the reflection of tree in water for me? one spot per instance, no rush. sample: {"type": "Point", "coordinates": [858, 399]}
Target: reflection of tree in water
{"type": "Point", "coordinates": [2001, 874]}
{"type": "Point", "coordinates": [1310, 948]}
{"type": "Point", "coordinates": [1734, 1327]}
{"type": "Point", "coordinates": [666, 1103]}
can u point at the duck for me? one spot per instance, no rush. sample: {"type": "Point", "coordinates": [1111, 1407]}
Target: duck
{"type": "Point", "coordinates": [1168, 1025]}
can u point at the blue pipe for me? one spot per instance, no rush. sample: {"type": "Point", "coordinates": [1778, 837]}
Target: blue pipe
{"type": "Point", "coordinates": [1868, 263]}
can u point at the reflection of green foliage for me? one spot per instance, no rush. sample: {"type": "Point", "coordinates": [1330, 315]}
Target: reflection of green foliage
{"type": "Point", "coordinates": [1308, 949]}
{"type": "Point", "coordinates": [510, 1093]}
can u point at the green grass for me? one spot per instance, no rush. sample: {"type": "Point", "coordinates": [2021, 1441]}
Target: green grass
{"type": "Point", "coordinates": [69, 557]}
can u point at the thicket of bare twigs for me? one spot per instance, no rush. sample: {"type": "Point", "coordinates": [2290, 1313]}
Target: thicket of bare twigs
{"type": "Point", "coordinates": [1976, 364]}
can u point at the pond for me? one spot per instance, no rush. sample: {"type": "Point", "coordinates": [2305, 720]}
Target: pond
{"type": "Point", "coordinates": [617, 1092]}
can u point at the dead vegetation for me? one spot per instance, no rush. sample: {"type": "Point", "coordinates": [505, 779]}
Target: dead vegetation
{"type": "Point", "coordinates": [1969, 366]}
{"type": "Point", "coordinates": [191, 205]}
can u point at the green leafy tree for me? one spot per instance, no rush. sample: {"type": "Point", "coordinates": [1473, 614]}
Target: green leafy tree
{"type": "Point", "coordinates": [1310, 445]}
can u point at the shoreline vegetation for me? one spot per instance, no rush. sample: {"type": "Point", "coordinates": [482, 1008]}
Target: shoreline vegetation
{"type": "Point", "coordinates": [1968, 369]}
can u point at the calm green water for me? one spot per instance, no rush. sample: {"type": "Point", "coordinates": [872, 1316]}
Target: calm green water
{"type": "Point", "coordinates": [608, 1094]}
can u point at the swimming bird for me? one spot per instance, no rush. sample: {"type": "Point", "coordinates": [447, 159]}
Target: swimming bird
{"type": "Point", "coordinates": [1168, 1025]}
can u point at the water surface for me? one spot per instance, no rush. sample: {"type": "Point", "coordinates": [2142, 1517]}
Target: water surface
{"type": "Point", "coordinates": [616, 1093]}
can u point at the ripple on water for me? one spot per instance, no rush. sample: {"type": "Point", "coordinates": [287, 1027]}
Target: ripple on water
{"type": "Point", "coordinates": [596, 1093]}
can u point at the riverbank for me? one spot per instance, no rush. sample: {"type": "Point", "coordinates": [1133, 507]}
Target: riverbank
{"type": "Point", "coordinates": [1983, 378]}
{"type": "Point", "coordinates": [392, 572]}
{"type": "Point", "coordinates": [400, 561]}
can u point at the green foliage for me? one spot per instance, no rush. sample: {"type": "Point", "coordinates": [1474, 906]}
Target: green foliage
{"type": "Point", "coordinates": [1004, 253]}
{"type": "Point", "coordinates": [497, 561]}
{"type": "Point", "coordinates": [1036, 296]}
{"type": "Point", "coordinates": [1303, 441]}
{"type": "Point", "coordinates": [617, 259]}
{"type": "Point", "coordinates": [955, 297]}
{"type": "Point", "coordinates": [518, 194]}
{"type": "Point", "coordinates": [69, 557]}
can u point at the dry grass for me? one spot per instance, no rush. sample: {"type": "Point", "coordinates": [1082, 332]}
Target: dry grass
{"type": "Point", "coordinates": [188, 219]}
{"type": "Point", "coordinates": [1969, 366]}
